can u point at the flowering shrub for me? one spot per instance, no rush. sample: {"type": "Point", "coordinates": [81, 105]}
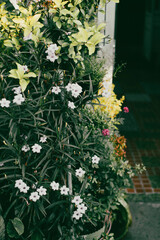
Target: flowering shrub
{"type": "Point", "coordinates": [58, 167]}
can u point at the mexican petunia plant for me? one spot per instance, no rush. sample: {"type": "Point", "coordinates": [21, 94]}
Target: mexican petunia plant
{"type": "Point", "coordinates": [60, 173]}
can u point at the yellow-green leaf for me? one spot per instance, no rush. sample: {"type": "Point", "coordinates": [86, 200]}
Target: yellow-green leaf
{"type": "Point", "coordinates": [58, 24]}
{"type": "Point", "coordinates": [55, 19]}
{"type": "Point", "coordinates": [96, 38]}
{"type": "Point", "coordinates": [91, 48]}
{"type": "Point", "coordinates": [23, 10]}
{"type": "Point", "coordinates": [82, 35]}
{"type": "Point", "coordinates": [8, 43]}
{"type": "Point", "coordinates": [19, 21]}
{"type": "Point", "coordinates": [77, 22]}
{"type": "Point", "coordinates": [16, 43]}
{"type": "Point", "coordinates": [13, 73]}
{"type": "Point", "coordinates": [59, 3]}
{"type": "Point", "coordinates": [23, 83]}
{"type": "Point", "coordinates": [33, 19]}
{"type": "Point", "coordinates": [101, 26]}
{"type": "Point", "coordinates": [65, 12]}
{"type": "Point", "coordinates": [30, 74]}
{"type": "Point", "coordinates": [77, 2]}
{"type": "Point", "coordinates": [20, 71]}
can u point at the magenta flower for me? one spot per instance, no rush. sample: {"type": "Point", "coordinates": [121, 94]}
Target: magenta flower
{"type": "Point", "coordinates": [105, 132]}
{"type": "Point", "coordinates": [126, 109]}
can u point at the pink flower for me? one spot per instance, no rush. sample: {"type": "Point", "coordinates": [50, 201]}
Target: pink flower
{"type": "Point", "coordinates": [105, 132]}
{"type": "Point", "coordinates": [126, 109]}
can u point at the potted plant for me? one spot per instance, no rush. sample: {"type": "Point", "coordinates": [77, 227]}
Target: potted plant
{"type": "Point", "coordinates": [58, 170]}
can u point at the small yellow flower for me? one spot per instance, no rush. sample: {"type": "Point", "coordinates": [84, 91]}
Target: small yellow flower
{"type": "Point", "coordinates": [111, 104]}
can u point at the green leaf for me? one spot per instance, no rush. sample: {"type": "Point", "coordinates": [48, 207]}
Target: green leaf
{"type": "Point", "coordinates": [15, 228]}
{"type": "Point", "coordinates": [18, 225]}
{"type": "Point", "coordinates": [2, 228]}
{"type": "Point", "coordinates": [16, 43]}
{"type": "Point", "coordinates": [58, 24]}
{"type": "Point", "coordinates": [55, 19]}
{"type": "Point", "coordinates": [37, 236]}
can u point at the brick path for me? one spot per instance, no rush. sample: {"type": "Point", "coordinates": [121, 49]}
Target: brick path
{"type": "Point", "coordinates": [142, 183]}
{"type": "Point", "coordinates": [141, 86]}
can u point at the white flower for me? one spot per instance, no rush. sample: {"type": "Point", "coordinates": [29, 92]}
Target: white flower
{"type": "Point", "coordinates": [80, 172]}
{"type": "Point", "coordinates": [76, 90]}
{"type": "Point", "coordinates": [56, 90]}
{"type": "Point", "coordinates": [34, 185]}
{"type": "Point", "coordinates": [43, 139]}
{"type": "Point", "coordinates": [19, 183]}
{"type": "Point", "coordinates": [24, 188]}
{"type": "Point", "coordinates": [36, 148]}
{"type": "Point", "coordinates": [77, 200]}
{"type": "Point", "coordinates": [17, 90]}
{"type": "Point", "coordinates": [25, 148]}
{"type": "Point", "coordinates": [34, 196]}
{"type": "Point", "coordinates": [28, 37]}
{"type": "Point", "coordinates": [51, 52]}
{"type": "Point", "coordinates": [54, 185]}
{"type": "Point", "coordinates": [64, 190]}
{"type": "Point", "coordinates": [25, 68]}
{"type": "Point", "coordinates": [18, 99]}
{"type": "Point", "coordinates": [71, 105]}
{"type": "Point", "coordinates": [4, 102]}
{"type": "Point", "coordinates": [95, 159]}
{"type": "Point", "coordinates": [69, 87]}
{"type": "Point", "coordinates": [51, 49]}
{"type": "Point", "coordinates": [81, 208]}
{"type": "Point", "coordinates": [52, 57]}
{"type": "Point", "coordinates": [77, 215]}
{"type": "Point", "coordinates": [1, 164]}
{"type": "Point", "coordinates": [42, 191]}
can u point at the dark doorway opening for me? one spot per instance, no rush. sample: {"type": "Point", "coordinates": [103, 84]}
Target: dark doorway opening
{"type": "Point", "coordinates": [129, 34]}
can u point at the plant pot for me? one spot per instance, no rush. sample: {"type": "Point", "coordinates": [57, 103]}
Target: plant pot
{"type": "Point", "coordinates": [94, 235]}
{"type": "Point", "coordinates": [123, 220]}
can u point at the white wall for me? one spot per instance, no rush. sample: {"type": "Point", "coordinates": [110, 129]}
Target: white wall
{"type": "Point", "coordinates": [108, 46]}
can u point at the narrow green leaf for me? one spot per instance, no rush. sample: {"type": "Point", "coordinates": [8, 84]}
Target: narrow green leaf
{"type": "Point", "coordinates": [2, 228]}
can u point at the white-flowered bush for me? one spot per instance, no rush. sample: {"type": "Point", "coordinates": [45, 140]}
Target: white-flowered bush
{"type": "Point", "coordinates": [59, 170]}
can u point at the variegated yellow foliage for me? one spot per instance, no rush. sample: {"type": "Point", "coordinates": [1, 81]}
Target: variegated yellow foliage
{"type": "Point", "coordinates": [29, 23]}
{"type": "Point", "coordinates": [110, 105]}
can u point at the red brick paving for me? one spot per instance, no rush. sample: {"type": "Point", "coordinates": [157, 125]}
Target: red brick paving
{"type": "Point", "coordinates": [141, 183]}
